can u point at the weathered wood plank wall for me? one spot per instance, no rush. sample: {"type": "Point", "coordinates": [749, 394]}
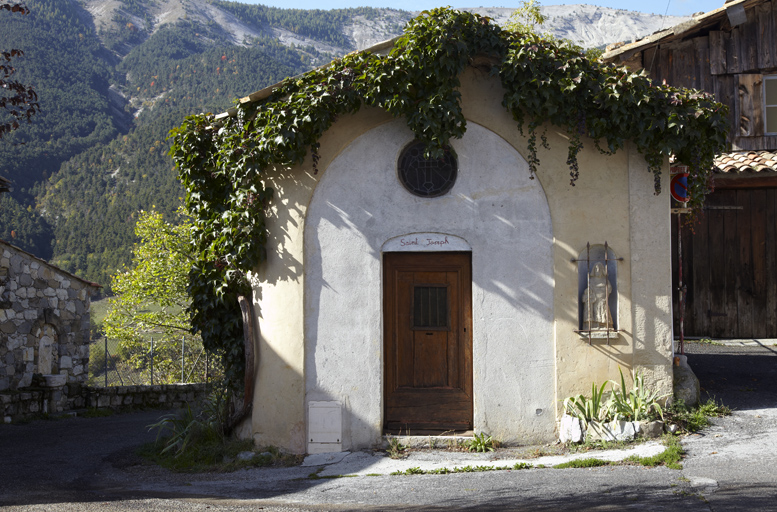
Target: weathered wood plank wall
{"type": "Point", "coordinates": [730, 266]}
{"type": "Point", "coordinates": [729, 63]}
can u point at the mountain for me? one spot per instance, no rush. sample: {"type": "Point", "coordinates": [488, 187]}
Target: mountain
{"type": "Point", "coordinates": [591, 26]}
{"type": "Point", "coordinates": [114, 76]}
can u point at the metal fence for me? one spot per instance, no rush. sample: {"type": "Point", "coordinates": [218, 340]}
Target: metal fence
{"type": "Point", "coordinates": [193, 363]}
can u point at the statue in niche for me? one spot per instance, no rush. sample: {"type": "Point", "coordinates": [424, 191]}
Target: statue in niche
{"type": "Point", "coordinates": [596, 311]}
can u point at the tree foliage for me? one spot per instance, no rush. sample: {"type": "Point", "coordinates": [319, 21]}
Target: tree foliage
{"type": "Point", "coordinates": [109, 93]}
{"type": "Point", "coordinates": [527, 18]}
{"type": "Point", "coordinates": [24, 228]}
{"type": "Point", "coordinates": [92, 198]}
{"type": "Point", "coordinates": [151, 298]}
{"type": "Point", "coordinates": [19, 102]}
{"type": "Point", "coordinates": [222, 167]}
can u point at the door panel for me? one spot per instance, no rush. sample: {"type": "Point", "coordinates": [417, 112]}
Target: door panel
{"type": "Point", "coordinates": [428, 340]}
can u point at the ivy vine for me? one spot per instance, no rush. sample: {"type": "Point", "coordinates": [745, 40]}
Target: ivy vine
{"type": "Point", "coordinates": [222, 165]}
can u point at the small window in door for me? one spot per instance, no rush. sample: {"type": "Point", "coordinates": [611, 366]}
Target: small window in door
{"type": "Point", "coordinates": [770, 104]}
{"type": "Point", "coordinates": [430, 307]}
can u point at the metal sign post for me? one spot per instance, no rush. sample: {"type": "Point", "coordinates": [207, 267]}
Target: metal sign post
{"type": "Point", "coordinates": [679, 191]}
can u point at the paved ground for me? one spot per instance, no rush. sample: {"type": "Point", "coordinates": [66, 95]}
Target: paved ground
{"type": "Point", "coordinates": [734, 463]}
{"type": "Point", "coordinates": [89, 464]}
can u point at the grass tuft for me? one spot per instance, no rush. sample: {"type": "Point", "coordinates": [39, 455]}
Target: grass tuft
{"type": "Point", "coordinates": [582, 463]}
{"type": "Point", "coordinates": [671, 457]}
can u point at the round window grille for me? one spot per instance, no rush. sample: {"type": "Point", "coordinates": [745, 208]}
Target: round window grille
{"type": "Point", "coordinates": [426, 177]}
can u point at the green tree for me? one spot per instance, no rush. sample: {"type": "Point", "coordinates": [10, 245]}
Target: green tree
{"type": "Point", "coordinates": [527, 18]}
{"type": "Point", "coordinates": [151, 300]}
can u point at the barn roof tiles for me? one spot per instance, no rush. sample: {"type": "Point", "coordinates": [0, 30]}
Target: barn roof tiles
{"type": "Point", "coordinates": [746, 161]}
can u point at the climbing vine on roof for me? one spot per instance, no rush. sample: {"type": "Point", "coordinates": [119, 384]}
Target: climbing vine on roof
{"type": "Point", "coordinates": [222, 164]}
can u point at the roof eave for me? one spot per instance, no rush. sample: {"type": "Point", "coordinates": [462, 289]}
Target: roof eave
{"type": "Point", "coordinates": [626, 51]}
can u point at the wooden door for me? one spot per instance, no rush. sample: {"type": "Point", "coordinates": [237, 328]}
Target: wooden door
{"type": "Point", "coordinates": [428, 341]}
{"type": "Point", "coordinates": [730, 266]}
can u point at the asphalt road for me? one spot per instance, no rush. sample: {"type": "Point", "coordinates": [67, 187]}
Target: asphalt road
{"type": "Point", "coordinates": [86, 464]}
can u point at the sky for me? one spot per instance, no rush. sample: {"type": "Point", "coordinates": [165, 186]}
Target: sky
{"type": "Point", "coordinates": [676, 7]}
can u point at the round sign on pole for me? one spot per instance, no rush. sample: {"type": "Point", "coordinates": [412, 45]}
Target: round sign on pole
{"type": "Point", "coordinates": [679, 187]}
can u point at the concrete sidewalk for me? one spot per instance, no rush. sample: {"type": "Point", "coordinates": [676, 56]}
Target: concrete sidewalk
{"type": "Point", "coordinates": [365, 463]}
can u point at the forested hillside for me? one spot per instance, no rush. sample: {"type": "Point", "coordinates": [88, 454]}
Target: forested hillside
{"type": "Point", "coordinates": [98, 152]}
{"type": "Point", "coordinates": [114, 76]}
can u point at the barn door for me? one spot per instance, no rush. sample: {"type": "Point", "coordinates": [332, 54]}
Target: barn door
{"type": "Point", "coordinates": [428, 341]}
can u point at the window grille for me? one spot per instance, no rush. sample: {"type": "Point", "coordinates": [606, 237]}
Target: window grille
{"type": "Point", "coordinates": [430, 307]}
{"type": "Point", "coordinates": [597, 293]}
{"type": "Point", "coordinates": [426, 177]}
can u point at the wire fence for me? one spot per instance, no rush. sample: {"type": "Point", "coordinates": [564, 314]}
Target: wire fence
{"type": "Point", "coordinates": [156, 362]}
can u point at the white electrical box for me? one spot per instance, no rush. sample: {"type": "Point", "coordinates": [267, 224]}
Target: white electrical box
{"type": "Point", "coordinates": [325, 427]}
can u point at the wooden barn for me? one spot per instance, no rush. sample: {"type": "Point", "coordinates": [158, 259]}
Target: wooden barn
{"type": "Point", "coordinates": [729, 257]}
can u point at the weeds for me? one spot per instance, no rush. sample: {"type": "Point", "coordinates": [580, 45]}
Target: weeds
{"type": "Point", "coordinates": [463, 469]}
{"type": "Point", "coordinates": [670, 457]}
{"type": "Point", "coordinates": [481, 443]}
{"type": "Point", "coordinates": [540, 452]}
{"type": "Point", "coordinates": [582, 463]}
{"type": "Point", "coordinates": [693, 419]}
{"type": "Point", "coordinates": [395, 449]}
{"type": "Point", "coordinates": [194, 441]}
{"type": "Point", "coordinates": [601, 444]}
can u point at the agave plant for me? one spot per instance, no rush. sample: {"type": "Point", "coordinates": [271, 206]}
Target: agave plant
{"type": "Point", "coordinates": [639, 403]}
{"type": "Point", "coordinates": [597, 408]}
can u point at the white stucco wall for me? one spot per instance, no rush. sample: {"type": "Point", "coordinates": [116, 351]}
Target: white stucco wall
{"type": "Point", "coordinates": [358, 206]}
{"type": "Point", "coordinates": [335, 219]}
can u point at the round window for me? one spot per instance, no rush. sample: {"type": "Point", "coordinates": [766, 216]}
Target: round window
{"type": "Point", "coordinates": [426, 177]}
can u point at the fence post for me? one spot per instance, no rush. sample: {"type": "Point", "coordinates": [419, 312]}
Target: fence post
{"type": "Point", "coordinates": [105, 358]}
{"type": "Point", "coordinates": [183, 346]}
{"type": "Point", "coordinates": [152, 360]}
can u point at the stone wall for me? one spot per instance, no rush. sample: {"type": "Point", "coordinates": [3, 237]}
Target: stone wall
{"type": "Point", "coordinates": [165, 395]}
{"type": "Point", "coordinates": [39, 398]}
{"type": "Point", "coordinates": [44, 321]}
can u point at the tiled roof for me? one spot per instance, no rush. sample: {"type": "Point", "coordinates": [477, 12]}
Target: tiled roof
{"type": "Point", "coordinates": [746, 161]}
{"type": "Point", "coordinates": [5, 185]}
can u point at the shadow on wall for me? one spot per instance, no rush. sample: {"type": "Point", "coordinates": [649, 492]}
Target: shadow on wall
{"type": "Point", "coordinates": [285, 214]}
{"type": "Point", "coordinates": [504, 216]}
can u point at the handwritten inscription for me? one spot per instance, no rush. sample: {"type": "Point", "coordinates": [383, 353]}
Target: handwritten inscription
{"type": "Point", "coordinates": [424, 242]}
